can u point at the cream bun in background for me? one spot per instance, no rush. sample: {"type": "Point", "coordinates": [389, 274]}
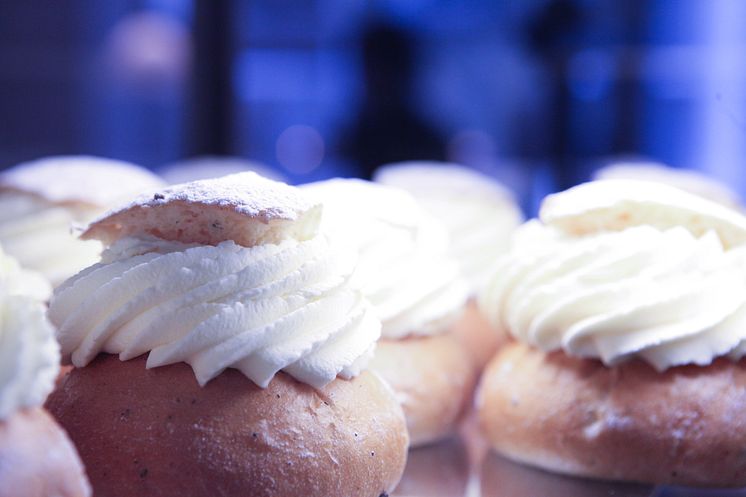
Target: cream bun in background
{"type": "Point", "coordinates": [213, 166]}
{"type": "Point", "coordinates": [480, 214]}
{"type": "Point", "coordinates": [36, 457]}
{"type": "Point", "coordinates": [242, 352]}
{"type": "Point", "coordinates": [627, 300]}
{"type": "Point", "coordinates": [43, 200]}
{"type": "Point", "coordinates": [685, 179]}
{"type": "Point", "coordinates": [416, 290]}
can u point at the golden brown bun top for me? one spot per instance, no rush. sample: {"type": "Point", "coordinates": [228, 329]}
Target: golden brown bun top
{"type": "Point", "coordinates": [243, 207]}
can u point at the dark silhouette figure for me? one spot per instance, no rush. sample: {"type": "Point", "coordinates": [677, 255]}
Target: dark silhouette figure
{"type": "Point", "coordinates": [388, 129]}
{"type": "Point", "coordinates": [211, 107]}
{"type": "Point", "coordinates": [553, 36]}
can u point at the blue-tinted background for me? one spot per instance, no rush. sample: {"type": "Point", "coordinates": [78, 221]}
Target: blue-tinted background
{"type": "Point", "coordinates": [535, 92]}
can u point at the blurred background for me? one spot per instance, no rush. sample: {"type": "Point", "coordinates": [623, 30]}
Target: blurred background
{"type": "Point", "coordinates": [537, 93]}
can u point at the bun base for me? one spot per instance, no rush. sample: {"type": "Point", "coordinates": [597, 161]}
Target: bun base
{"type": "Point", "coordinates": [434, 379]}
{"type": "Point", "coordinates": [477, 335]}
{"type": "Point", "coordinates": [684, 426]}
{"type": "Point", "coordinates": [158, 433]}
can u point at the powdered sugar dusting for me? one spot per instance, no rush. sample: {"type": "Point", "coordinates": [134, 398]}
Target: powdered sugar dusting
{"type": "Point", "coordinates": [246, 193]}
{"type": "Point", "coordinates": [92, 180]}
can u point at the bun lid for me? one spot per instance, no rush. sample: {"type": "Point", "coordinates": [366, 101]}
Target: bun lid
{"type": "Point", "coordinates": [244, 207]}
{"type": "Point", "coordinates": [617, 204]}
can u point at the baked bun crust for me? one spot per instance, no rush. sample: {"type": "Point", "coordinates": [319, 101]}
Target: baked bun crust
{"type": "Point", "coordinates": [438, 470]}
{"type": "Point", "coordinates": [501, 477]}
{"type": "Point", "coordinates": [243, 207]}
{"type": "Point", "coordinates": [477, 335]}
{"type": "Point", "coordinates": [434, 379]}
{"type": "Point", "coordinates": [684, 426]}
{"type": "Point", "coordinates": [158, 433]}
{"type": "Point", "coordinates": [37, 459]}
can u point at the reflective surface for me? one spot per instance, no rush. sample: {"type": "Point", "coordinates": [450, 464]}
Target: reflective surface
{"type": "Point", "coordinates": [440, 470]}
{"type": "Point", "coordinates": [458, 468]}
{"type": "Point", "coordinates": [503, 478]}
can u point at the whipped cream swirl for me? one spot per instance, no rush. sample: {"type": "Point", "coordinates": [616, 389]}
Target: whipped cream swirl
{"type": "Point", "coordinates": [29, 354]}
{"type": "Point", "coordinates": [664, 295]}
{"type": "Point", "coordinates": [39, 235]}
{"type": "Point", "coordinates": [403, 268]}
{"type": "Point", "coordinates": [261, 309]}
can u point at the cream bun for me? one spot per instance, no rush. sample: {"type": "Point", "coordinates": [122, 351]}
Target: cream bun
{"type": "Point", "coordinates": [480, 214]}
{"type": "Point", "coordinates": [42, 201]}
{"type": "Point", "coordinates": [36, 457]}
{"type": "Point", "coordinates": [242, 351]}
{"type": "Point", "coordinates": [627, 300]}
{"type": "Point", "coordinates": [417, 292]}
